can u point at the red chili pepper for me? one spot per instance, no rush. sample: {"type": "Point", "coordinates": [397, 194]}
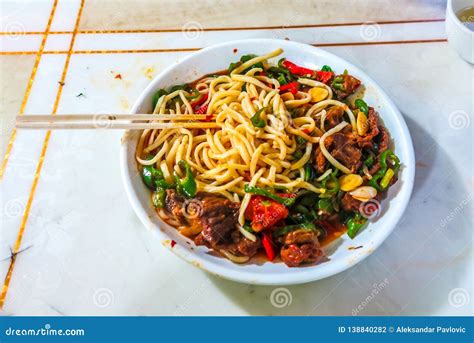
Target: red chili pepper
{"type": "Point", "coordinates": [268, 245]}
{"type": "Point", "coordinates": [324, 76]}
{"type": "Point", "coordinates": [195, 104]}
{"type": "Point", "coordinates": [297, 70]}
{"type": "Point", "coordinates": [201, 110]}
{"type": "Point", "coordinates": [291, 87]}
{"type": "Point", "coordinates": [264, 212]}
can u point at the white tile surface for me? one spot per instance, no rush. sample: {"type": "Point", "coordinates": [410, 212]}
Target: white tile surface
{"type": "Point", "coordinates": [89, 255]}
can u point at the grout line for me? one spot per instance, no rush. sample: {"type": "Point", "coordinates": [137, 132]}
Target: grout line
{"type": "Point", "coordinates": [26, 213]}
{"type": "Point", "coordinates": [29, 86]}
{"type": "Point", "coordinates": [210, 29]}
{"type": "Point", "coordinates": [19, 52]}
{"type": "Point", "coordinates": [54, 52]}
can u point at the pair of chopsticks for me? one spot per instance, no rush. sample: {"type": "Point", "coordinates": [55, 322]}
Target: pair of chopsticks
{"type": "Point", "coordinates": [114, 121]}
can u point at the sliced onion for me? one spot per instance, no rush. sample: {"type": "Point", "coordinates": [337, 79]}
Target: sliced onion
{"type": "Point", "coordinates": [366, 172]}
{"type": "Point", "coordinates": [322, 177]}
{"type": "Point", "coordinates": [247, 234]}
{"type": "Point", "coordinates": [233, 258]}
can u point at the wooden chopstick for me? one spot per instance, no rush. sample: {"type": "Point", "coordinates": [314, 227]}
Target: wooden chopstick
{"type": "Point", "coordinates": [114, 121]}
{"type": "Point", "coordinates": [92, 117]}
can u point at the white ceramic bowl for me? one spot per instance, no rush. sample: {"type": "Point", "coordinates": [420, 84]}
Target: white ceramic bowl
{"type": "Point", "coordinates": [460, 38]}
{"type": "Point", "coordinates": [216, 58]}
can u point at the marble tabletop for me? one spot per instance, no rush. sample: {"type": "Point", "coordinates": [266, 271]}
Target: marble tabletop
{"type": "Point", "coordinates": [70, 244]}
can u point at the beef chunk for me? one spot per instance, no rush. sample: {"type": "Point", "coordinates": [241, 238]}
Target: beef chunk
{"type": "Point", "coordinates": [320, 160]}
{"type": "Point", "coordinates": [383, 139]}
{"type": "Point", "coordinates": [367, 141]}
{"type": "Point", "coordinates": [345, 149]}
{"type": "Point", "coordinates": [343, 146]}
{"type": "Point", "coordinates": [174, 204]}
{"type": "Point", "coordinates": [300, 246]}
{"type": "Point", "coordinates": [216, 215]}
{"type": "Point", "coordinates": [350, 204]}
{"type": "Point", "coordinates": [243, 246]}
{"type": "Point", "coordinates": [334, 116]}
{"type": "Point", "coordinates": [349, 86]}
{"type": "Point", "coordinates": [218, 218]}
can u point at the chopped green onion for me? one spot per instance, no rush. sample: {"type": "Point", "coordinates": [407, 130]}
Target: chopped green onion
{"type": "Point", "coordinates": [362, 106]}
{"type": "Point", "coordinates": [263, 192]}
{"type": "Point", "coordinates": [256, 120]}
{"type": "Point", "coordinates": [159, 197]}
{"type": "Point", "coordinates": [386, 157]}
{"type": "Point", "coordinates": [186, 186]}
{"type": "Point", "coordinates": [354, 224]}
{"type": "Point", "coordinates": [298, 154]}
{"type": "Point", "coordinates": [326, 68]}
{"type": "Point", "coordinates": [300, 140]}
{"type": "Point", "coordinates": [325, 205]}
{"type": "Point", "coordinates": [387, 178]}
{"type": "Point", "coordinates": [159, 93]}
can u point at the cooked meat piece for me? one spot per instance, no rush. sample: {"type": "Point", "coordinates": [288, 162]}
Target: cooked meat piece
{"type": "Point", "coordinates": [174, 204]}
{"type": "Point", "coordinates": [350, 204]}
{"type": "Point", "coordinates": [383, 139]}
{"type": "Point", "coordinates": [244, 247]}
{"type": "Point", "coordinates": [375, 168]}
{"type": "Point", "coordinates": [333, 117]}
{"type": "Point", "coordinates": [216, 215]}
{"type": "Point", "coordinates": [240, 246]}
{"type": "Point", "coordinates": [300, 246]}
{"type": "Point", "coordinates": [367, 141]}
{"type": "Point", "coordinates": [320, 160]}
{"type": "Point", "coordinates": [200, 240]}
{"type": "Point", "coordinates": [299, 237]}
{"type": "Point", "coordinates": [218, 218]}
{"type": "Point", "coordinates": [349, 86]}
{"type": "Point", "coordinates": [345, 149]}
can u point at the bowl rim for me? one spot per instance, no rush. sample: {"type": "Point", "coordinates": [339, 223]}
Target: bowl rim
{"type": "Point", "coordinates": [452, 16]}
{"type": "Point", "coordinates": [274, 279]}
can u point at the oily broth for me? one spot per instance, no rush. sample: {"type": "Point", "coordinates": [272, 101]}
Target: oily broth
{"type": "Point", "coordinates": [466, 16]}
